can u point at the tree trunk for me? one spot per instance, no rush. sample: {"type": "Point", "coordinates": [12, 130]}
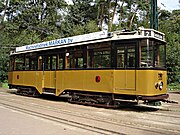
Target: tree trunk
{"type": "Point", "coordinates": [114, 10]}
{"type": "Point", "coordinates": [131, 21]}
{"type": "Point", "coordinates": [4, 12]}
{"type": "Point", "coordinates": [121, 13]}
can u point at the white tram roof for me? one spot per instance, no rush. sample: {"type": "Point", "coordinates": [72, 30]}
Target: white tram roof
{"type": "Point", "coordinates": [95, 37]}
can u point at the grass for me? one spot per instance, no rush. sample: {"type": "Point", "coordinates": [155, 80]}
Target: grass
{"type": "Point", "coordinates": [174, 86]}
{"type": "Point", "coordinates": [5, 85]}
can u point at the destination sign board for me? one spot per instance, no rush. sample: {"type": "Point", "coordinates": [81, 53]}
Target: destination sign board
{"type": "Point", "coordinates": [64, 41]}
{"type": "Point", "coordinates": [153, 33]}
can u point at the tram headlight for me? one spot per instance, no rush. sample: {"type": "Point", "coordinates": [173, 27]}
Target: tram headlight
{"type": "Point", "coordinates": [160, 85]}
{"type": "Point", "coordinates": [156, 85]}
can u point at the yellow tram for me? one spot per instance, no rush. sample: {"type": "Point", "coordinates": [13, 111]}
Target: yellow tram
{"type": "Point", "coordinates": [96, 68]}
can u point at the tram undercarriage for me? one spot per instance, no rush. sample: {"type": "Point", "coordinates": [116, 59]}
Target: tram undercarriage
{"type": "Point", "coordinates": [105, 100]}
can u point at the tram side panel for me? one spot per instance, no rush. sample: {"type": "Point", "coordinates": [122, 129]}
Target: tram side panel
{"type": "Point", "coordinates": [16, 78]}
{"type": "Point", "coordinates": [49, 79]}
{"type": "Point", "coordinates": [99, 80]}
{"type": "Point", "coordinates": [124, 82]}
{"type": "Point", "coordinates": [10, 77]}
{"type": "Point", "coordinates": [69, 80]}
{"type": "Point", "coordinates": [148, 82]}
{"type": "Point", "coordinates": [59, 82]}
{"type": "Point", "coordinates": [85, 80]}
{"type": "Point", "coordinates": [26, 78]}
{"type": "Point", "coordinates": [105, 81]}
{"type": "Point", "coordinates": [39, 81]}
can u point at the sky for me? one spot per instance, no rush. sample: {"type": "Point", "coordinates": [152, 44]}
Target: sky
{"type": "Point", "coordinates": [169, 4]}
{"type": "Point", "coordinates": [163, 4]}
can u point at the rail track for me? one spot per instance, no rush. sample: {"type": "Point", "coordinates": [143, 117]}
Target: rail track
{"type": "Point", "coordinates": [61, 120]}
{"type": "Point", "coordinates": [16, 103]}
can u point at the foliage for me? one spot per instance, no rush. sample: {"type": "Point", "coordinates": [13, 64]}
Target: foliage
{"type": "Point", "coordinates": [170, 25]}
{"type": "Point", "coordinates": [31, 21]}
{"type": "Point", "coordinates": [4, 59]}
{"type": "Point", "coordinates": [80, 18]}
{"type": "Point", "coordinates": [174, 86]}
{"type": "Point", "coordinates": [5, 85]}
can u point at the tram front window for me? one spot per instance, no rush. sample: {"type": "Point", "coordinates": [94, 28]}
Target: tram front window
{"type": "Point", "coordinates": [152, 54]}
{"type": "Point", "coordinates": [159, 56]}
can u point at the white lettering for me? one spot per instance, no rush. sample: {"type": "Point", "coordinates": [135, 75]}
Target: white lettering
{"type": "Point", "coordinates": [64, 41]}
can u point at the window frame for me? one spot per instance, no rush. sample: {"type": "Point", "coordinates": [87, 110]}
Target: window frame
{"type": "Point", "coordinates": [98, 47]}
{"type": "Point", "coordinates": [160, 43]}
{"type": "Point", "coordinates": [125, 44]}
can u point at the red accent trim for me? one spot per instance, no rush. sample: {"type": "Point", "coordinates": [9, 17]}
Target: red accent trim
{"type": "Point", "coordinates": [98, 79]}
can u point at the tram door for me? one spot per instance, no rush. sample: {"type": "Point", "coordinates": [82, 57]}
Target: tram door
{"type": "Point", "coordinates": [126, 56]}
{"type": "Point", "coordinates": [49, 71]}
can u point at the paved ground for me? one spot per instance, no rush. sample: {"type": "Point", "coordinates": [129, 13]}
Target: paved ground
{"type": "Point", "coordinates": [20, 115]}
{"type": "Point", "coordinates": [17, 123]}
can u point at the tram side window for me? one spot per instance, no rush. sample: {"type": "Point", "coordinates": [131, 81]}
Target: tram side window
{"type": "Point", "coordinates": [19, 62]}
{"type": "Point", "coordinates": [33, 63]}
{"type": "Point", "coordinates": [99, 56]}
{"type": "Point", "coordinates": [30, 61]}
{"type": "Point", "coordinates": [131, 56]}
{"type": "Point", "coordinates": [47, 62]}
{"type": "Point", "coordinates": [50, 62]}
{"type": "Point", "coordinates": [27, 62]}
{"type": "Point", "coordinates": [60, 61]}
{"type": "Point", "coordinates": [67, 60]}
{"type": "Point", "coordinates": [74, 59]}
{"type": "Point", "coordinates": [54, 59]}
{"type": "Point", "coordinates": [120, 57]}
{"type": "Point", "coordinates": [40, 63]}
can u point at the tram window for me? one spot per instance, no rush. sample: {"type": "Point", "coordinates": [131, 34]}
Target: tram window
{"type": "Point", "coordinates": [19, 62]}
{"type": "Point", "coordinates": [67, 60]}
{"type": "Point", "coordinates": [102, 59]}
{"type": "Point", "coordinates": [40, 63]}
{"type": "Point", "coordinates": [79, 62]}
{"type": "Point", "coordinates": [78, 58]}
{"type": "Point", "coordinates": [120, 57]}
{"type": "Point", "coordinates": [159, 55]}
{"type": "Point", "coordinates": [146, 54]}
{"type": "Point", "coordinates": [74, 59]}
{"type": "Point", "coordinates": [99, 56]}
{"type": "Point", "coordinates": [27, 60]}
{"type": "Point", "coordinates": [47, 62]}
{"type": "Point", "coordinates": [60, 61]}
{"type": "Point", "coordinates": [97, 59]}
{"type": "Point", "coordinates": [152, 53]}
{"type": "Point", "coordinates": [54, 58]}
{"type": "Point", "coordinates": [33, 62]}
{"type": "Point", "coordinates": [131, 56]}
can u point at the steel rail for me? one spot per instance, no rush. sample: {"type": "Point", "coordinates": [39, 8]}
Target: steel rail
{"type": "Point", "coordinates": [111, 121]}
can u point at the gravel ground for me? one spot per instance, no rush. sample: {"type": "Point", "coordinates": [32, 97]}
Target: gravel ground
{"type": "Point", "coordinates": [50, 115]}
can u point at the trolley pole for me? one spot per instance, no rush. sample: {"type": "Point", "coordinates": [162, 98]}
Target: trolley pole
{"type": "Point", "coordinates": [154, 15]}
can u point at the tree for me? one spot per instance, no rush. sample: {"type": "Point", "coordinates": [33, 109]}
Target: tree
{"type": "Point", "coordinates": [80, 16]}
{"type": "Point", "coordinates": [33, 21]}
{"type": "Point", "coordinates": [170, 25]}
{"type": "Point", "coordinates": [36, 18]}
{"type": "Point", "coordinates": [27, 22]}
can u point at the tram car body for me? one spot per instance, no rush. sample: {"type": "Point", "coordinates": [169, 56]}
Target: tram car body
{"type": "Point", "coordinates": [98, 67]}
